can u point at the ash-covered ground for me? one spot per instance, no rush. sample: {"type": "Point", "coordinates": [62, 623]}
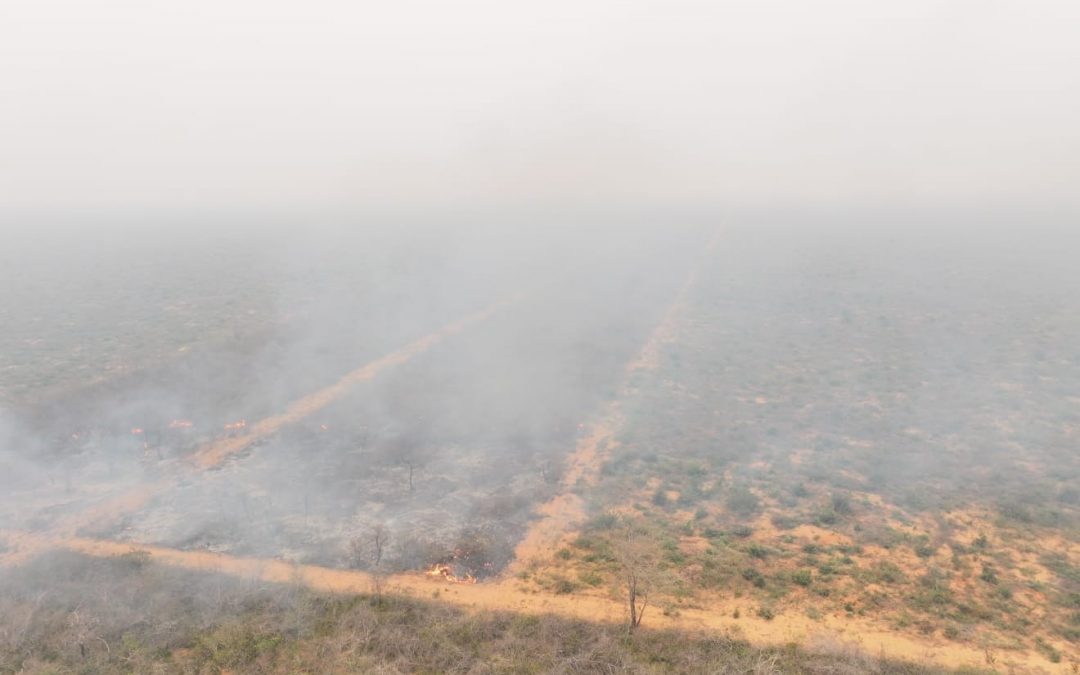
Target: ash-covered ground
{"type": "Point", "coordinates": [445, 453]}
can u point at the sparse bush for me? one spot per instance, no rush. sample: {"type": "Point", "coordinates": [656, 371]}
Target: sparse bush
{"type": "Point", "coordinates": [743, 502]}
{"type": "Point", "coordinates": [840, 503]}
{"type": "Point", "coordinates": [602, 522]}
{"type": "Point", "coordinates": [826, 516]}
{"type": "Point", "coordinates": [924, 550]}
{"type": "Point", "coordinates": [754, 577]}
{"type": "Point", "coordinates": [1051, 653]}
{"type": "Point", "coordinates": [885, 572]}
{"type": "Point", "coordinates": [742, 531]}
{"type": "Point", "coordinates": [660, 497]}
{"type": "Point", "coordinates": [784, 521]}
{"type": "Point", "coordinates": [563, 586]}
{"type": "Point", "coordinates": [591, 578]}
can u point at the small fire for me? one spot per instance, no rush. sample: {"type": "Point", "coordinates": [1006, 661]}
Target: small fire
{"type": "Point", "coordinates": [135, 431]}
{"type": "Point", "coordinates": [233, 426]}
{"type": "Point", "coordinates": [446, 573]}
{"type": "Point", "coordinates": [181, 424]}
{"type": "Point", "coordinates": [323, 427]}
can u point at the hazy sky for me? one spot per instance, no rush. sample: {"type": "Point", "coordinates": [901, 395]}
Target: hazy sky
{"type": "Point", "coordinates": [264, 105]}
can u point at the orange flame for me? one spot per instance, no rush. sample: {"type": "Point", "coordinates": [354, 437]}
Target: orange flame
{"type": "Point", "coordinates": [135, 431]}
{"type": "Point", "coordinates": [236, 425]}
{"type": "Point", "coordinates": [446, 573]}
{"type": "Point", "coordinates": [181, 424]}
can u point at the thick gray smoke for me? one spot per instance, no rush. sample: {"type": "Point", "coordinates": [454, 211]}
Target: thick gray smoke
{"type": "Point", "coordinates": [282, 279]}
{"type": "Point", "coordinates": [328, 108]}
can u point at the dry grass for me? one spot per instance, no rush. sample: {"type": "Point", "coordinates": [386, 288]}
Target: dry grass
{"type": "Point", "coordinates": [66, 613]}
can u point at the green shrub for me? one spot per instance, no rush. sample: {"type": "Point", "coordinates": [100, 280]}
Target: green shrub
{"type": "Point", "coordinates": [757, 551]}
{"type": "Point", "coordinates": [784, 522]}
{"type": "Point", "coordinates": [840, 503]}
{"type": "Point", "coordinates": [885, 572]}
{"type": "Point", "coordinates": [826, 516]}
{"type": "Point", "coordinates": [924, 551]}
{"type": "Point", "coordinates": [591, 578]}
{"type": "Point", "coordinates": [604, 521]}
{"type": "Point", "coordinates": [754, 577]}
{"type": "Point", "coordinates": [743, 502]}
{"type": "Point", "coordinates": [564, 586]}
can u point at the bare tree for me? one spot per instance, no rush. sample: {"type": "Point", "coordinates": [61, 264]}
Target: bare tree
{"type": "Point", "coordinates": [367, 552]}
{"type": "Point", "coordinates": [409, 448]}
{"type": "Point", "coordinates": [412, 469]}
{"type": "Point", "coordinates": [356, 552]}
{"type": "Point", "coordinates": [633, 592]}
{"type": "Point", "coordinates": [380, 537]}
{"type": "Point", "coordinates": [636, 567]}
{"type": "Point", "coordinates": [83, 631]}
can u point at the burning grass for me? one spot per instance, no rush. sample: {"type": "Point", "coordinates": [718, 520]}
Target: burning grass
{"type": "Point", "coordinates": [448, 572]}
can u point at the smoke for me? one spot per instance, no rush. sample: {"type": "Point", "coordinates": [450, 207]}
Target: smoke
{"type": "Point", "coordinates": [358, 286]}
{"type": "Point", "coordinates": [330, 109]}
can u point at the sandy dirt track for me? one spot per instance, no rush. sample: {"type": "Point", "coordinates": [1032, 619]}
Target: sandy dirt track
{"type": "Point", "coordinates": [212, 454]}
{"type": "Point", "coordinates": [560, 516]}
{"type": "Point", "coordinates": [505, 594]}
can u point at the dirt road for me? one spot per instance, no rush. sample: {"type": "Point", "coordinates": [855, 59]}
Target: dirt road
{"type": "Point", "coordinates": [505, 594]}
{"type": "Point", "coordinates": [111, 508]}
{"type": "Point", "coordinates": [560, 516]}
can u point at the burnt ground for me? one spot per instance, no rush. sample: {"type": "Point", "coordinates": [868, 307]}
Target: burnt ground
{"type": "Point", "coordinates": [481, 421]}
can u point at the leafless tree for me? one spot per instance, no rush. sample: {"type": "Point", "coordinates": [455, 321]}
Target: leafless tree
{"type": "Point", "coordinates": [412, 469]}
{"type": "Point", "coordinates": [633, 592]}
{"type": "Point", "coordinates": [356, 552]}
{"type": "Point", "coordinates": [367, 552]}
{"type": "Point", "coordinates": [83, 630]}
{"type": "Point", "coordinates": [635, 563]}
{"type": "Point", "coordinates": [380, 537]}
